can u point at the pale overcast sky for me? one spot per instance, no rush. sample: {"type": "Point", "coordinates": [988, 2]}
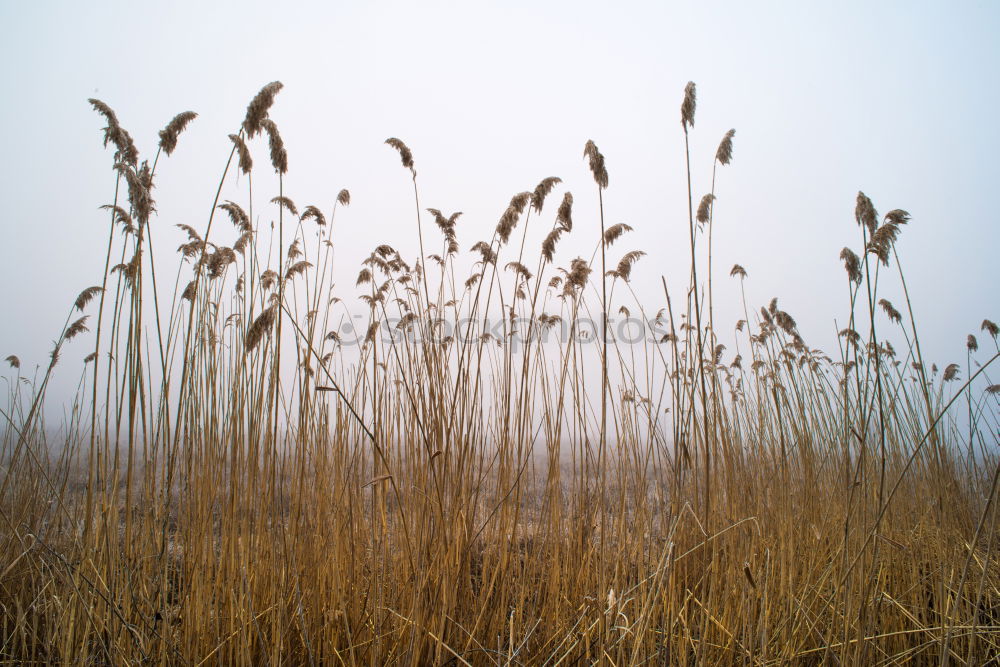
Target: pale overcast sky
{"type": "Point", "coordinates": [898, 99]}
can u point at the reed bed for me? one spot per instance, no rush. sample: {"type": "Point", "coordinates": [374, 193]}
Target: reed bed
{"type": "Point", "coordinates": [489, 474]}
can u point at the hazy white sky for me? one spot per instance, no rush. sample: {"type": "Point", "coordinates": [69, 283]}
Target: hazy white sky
{"type": "Point", "coordinates": [898, 99]}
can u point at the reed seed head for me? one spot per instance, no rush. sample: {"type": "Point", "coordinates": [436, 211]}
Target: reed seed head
{"type": "Point", "coordinates": [487, 253]}
{"type": "Point", "coordinates": [120, 216]}
{"type": "Point", "coordinates": [279, 156]}
{"type": "Point", "coordinates": [258, 108]}
{"type": "Point", "coordinates": [865, 214]}
{"type": "Point", "coordinates": [892, 313]}
{"type": "Point", "coordinates": [564, 217]}
{"type": "Point", "coordinates": [218, 261]}
{"type": "Point", "coordinates": [578, 273]}
{"type": "Point", "coordinates": [724, 154]}
{"type": "Point", "coordinates": [688, 105]}
{"type": "Point", "coordinates": [614, 232]}
{"type": "Point", "coordinates": [510, 217]}
{"type": "Point", "coordinates": [13, 361]}
{"type": "Point", "coordinates": [624, 269]}
{"type": "Point", "coordinates": [77, 328]}
{"type": "Point", "coordinates": [542, 191]}
{"type": "Point", "coordinates": [268, 279]}
{"type": "Point", "coordinates": [520, 269]}
{"type": "Point", "coordinates": [951, 372]}
{"type": "Point", "coordinates": [785, 321]}
{"type": "Point", "coordinates": [852, 264]}
{"type": "Point", "coordinates": [971, 343]}
{"type": "Point", "coordinates": [116, 134]}
{"type": "Point", "coordinates": [404, 152]}
{"type": "Point", "coordinates": [991, 328]}
{"type": "Point", "coordinates": [86, 296]}
{"type": "Point", "coordinates": [246, 162]}
{"type": "Point", "coordinates": [885, 236]}
{"type": "Point", "coordinates": [169, 134]}
{"type": "Point", "coordinates": [705, 208]}
{"type": "Point", "coordinates": [285, 203]}
{"type": "Point", "coordinates": [597, 166]}
{"type": "Point", "coordinates": [296, 269]}
{"type": "Point", "coordinates": [190, 290]}
{"type": "Point", "coordinates": [897, 216]}
{"type": "Point", "coordinates": [260, 326]}
{"type": "Point", "coordinates": [237, 216]}
{"type": "Point", "coordinates": [315, 214]}
{"type": "Point", "coordinates": [549, 244]}
{"type": "Point", "coordinates": [140, 184]}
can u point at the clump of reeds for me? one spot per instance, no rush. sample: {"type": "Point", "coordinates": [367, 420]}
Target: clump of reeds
{"type": "Point", "coordinates": [243, 480]}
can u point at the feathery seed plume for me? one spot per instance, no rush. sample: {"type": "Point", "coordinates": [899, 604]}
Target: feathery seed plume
{"type": "Point", "coordinates": [510, 217]}
{"type": "Point", "coordinates": [296, 269]}
{"type": "Point", "coordinates": [564, 217]}
{"type": "Point", "coordinates": [286, 203]}
{"type": "Point", "coordinates": [865, 214]}
{"type": "Point", "coordinates": [315, 213]}
{"type": "Point", "coordinates": [705, 208]}
{"type": "Point", "coordinates": [259, 327]}
{"type": "Point", "coordinates": [688, 105]}
{"type": "Point", "coordinates": [268, 279]}
{"type": "Point", "coordinates": [237, 215]}
{"type": "Point", "coordinates": [614, 232]}
{"type": "Point", "coordinates": [549, 244]}
{"type": "Point", "coordinates": [246, 162]}
{"type": "Point", "coordinates": [785, 321]}
{"type": "Point", "coordinates": [724, 154]}
{"type": "Point", "coordinates": [488, 256]}
{"type": "Point", "coordinates": [624, 269]}
{"type": "Point", "coordinates": [578, 273]}
{"type": "Point", "coordinates": [853, 265]}
{"type": "Point", "coordinates": [169, 134]}
{"type": "Point", "coordinates": [279, 156]}
{"type": "Point", "coordinates": [140, 183]}
{"type": "Point", "coordinates": [116, 134]}
{"type": "Point", "coordinates": [890, 311]}
{"type": "Point", "coordinates": [120, 216]}
{"type": "Point", "coordinates": [86, 296]}
{"type": "Point", "coordinates": [542, 191]}
{"type": "Point", "coordinates": [77, 328]}
{"type": "Point", "coordinates": [258, 108]}
{"type": "Point", "coordinates": [597, 166]}
{"type": "Point", "coordinates": [404, 153]}
{"type": "Point", "coordinates": [191, 231]}
{"type": "Point", "coordinates": [520, 269]}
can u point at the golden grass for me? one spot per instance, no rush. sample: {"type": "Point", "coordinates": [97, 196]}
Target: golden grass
{"type": "Point", "coordinates": [236, 487]}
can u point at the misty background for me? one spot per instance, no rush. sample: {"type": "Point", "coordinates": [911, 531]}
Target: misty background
{"type": "Point", "coordinates": [897, 99]}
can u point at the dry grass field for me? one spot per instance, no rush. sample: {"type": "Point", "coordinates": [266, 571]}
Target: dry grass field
{"type": "Point", "coordinates": [488, 476]}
